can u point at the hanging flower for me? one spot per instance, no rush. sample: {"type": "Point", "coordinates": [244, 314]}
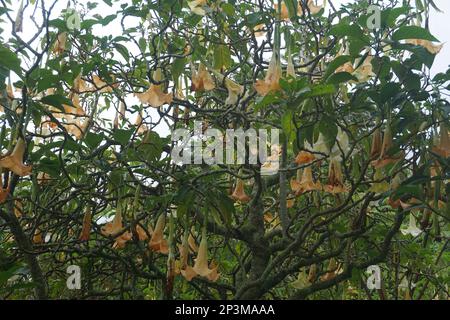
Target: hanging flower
{"type": "Point", "coordinates": [14, 161]}
{"type": "Point", "coordinates": [384, 158]}
{"type": "Point", "coordinates": [37, 237]}
{"type": "Point", "coordinates": [307, 182]}
{"type": "Point", "coordinates": [271, 82]}
{"type": "Point", "coordinates": [155, 95]}
{"type": "Point", "coordinates": [365, 71]}
{"type": "Point", "coordinates": [3, 194]}
{"type": "Point", "coordinates": [332, 270]}
{"type": "Point", "coordinates": [313, 8]}
{"type": "Point", "coordinates": [304, 157]}
{"type": "Point", "coordinates": [239, 192]}
{"type": "Point", "coordinates": [377, 143]}
{"type": "Point", "coordinates": [295, 182]}
{"type": "Point", "coordinates": [87, 222]}
{"type": "Point", "coordinates": [196, 7]}
{"type": "Point", "coordinates": [234, 90]}
{"type": "Point", "coordinates": [335, 178]}
{"type": "Point", "coordinates": [142, 128]}
{"type": "Point", "coordinates": [157, 242]}
{"type": "Point", "coordinates": [201, 262]}
{"type": "Point", "coordinates": [18, 23]}
{"type": "Point", "coordinates": [284, 11]}
{"type": "Point", "coordinates": [115, 227]}
{"type": "Point", "coordinates": [60, 45]}
{"type": "Point", "coordinates": [320, 146]}
{"type": "Point", "coordinates": [183, 267]}
{"type": "Point", "coordinates": [272, 164]}
{"type": "Point", "coordinates": [443, 149]}
{"type": "Point", "coordinates": [430, 46]}
{"type": "Point", "coordinates": [342, 145]}
{"type": "Point", "coordinates": [290, 69]}
{"type": "Point", "coordinates": [201, 79]}
{"type": "Point", "coordinates": [412, 227]}
{"type": "Point", "coordinates": [259, 30]}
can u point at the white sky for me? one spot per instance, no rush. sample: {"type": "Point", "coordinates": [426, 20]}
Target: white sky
{"type": "Point", "coordinates": [438, 25]}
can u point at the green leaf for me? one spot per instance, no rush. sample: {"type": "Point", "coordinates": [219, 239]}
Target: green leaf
{"type": "Point", "coordinates": [93, 140]}
{"type": "Point", "coordinates": [336, 63]}
{"type": "Point", "coordinates": [341, 77]}
{"type": "Point", "coordinates": [123, 136]}
{"type": "Point", "coordinates": [292, 6]}
{"type": "Point", "coordinates": [222, 57]}
{"type": "Point", "coordinates": [9, 60]}
{"type": "Point", "coordinates": [57, 101]}
{"type": "Point", "coordinates": [413, 32]}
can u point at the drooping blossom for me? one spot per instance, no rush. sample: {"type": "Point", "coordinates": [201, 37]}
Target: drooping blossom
{"type": "Point", "coordinates": [271, 82]}
{"type": "Point", "coordinates": [239, 192]}
{"type": "Point", "coordinates": [155, 95]}
{"type": "Point", "coordinates": [14, 161]}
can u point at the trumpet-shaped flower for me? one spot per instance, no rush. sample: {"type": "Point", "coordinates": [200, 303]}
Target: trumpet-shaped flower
{"type": "Point", "coordinates": [335, 178]}
{"type": "Point", "coordinates": [196, 7]}
{"type": "Point", "coordinates": [365, 71]}
{"type": "Point", "coordinates": [155, 95]}
{"type": "Point", "coordinates": [14, 161]}
{"type": "Point", "coordinates": [87, 223]}
{"type": "Point", "coordinates": [272, 165]}
{"type": "Point", "coordinates": [384, 158]}
{"type": "Point", "coordinates": [304, 157]}
{"type": "Point", "coordinates": [3, 194]}
{"type": "Point", "coordinates": [295, 182]}
{"type": "Point", "coordinates": [412, 227]}
{"type": "Point", "coordinates": [60, 44]}
{"type": "Point", "coordinates": [377, 142]}
{"type": "Point", "coordinates": [239, 192]}
{"type": "Point", "coordinates": [283, 11]}
{"type": "Point", "coordinates": [443, 149]}
{"type": "Point", "coordinates": [201, 79]}
{"type": "Point", "coordinates": [307, 182]}
{"type": "Point", "coordinates": [430, 46]}
{"type": "Point", "coordinates": [115, 227]}
{"type": "Point", "coordinates": [271, 82]}
{"type": "Point", "coordinates": [234, 90]}
{"type": "Point", "coordinates": [157, 242]}
{"type": "Point", "coordinates": [201, 262]}
{"type": "Point", "coordinates": [342, 145]}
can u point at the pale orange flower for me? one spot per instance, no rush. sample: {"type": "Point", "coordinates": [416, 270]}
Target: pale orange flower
{"type": "Point", "coordinates": [155, 95]}
{"type": "Point", "coordinates": [60, 44]}
{"type": "Point", "coordinates": [272, 80]}
{"type": "Point", "coordinates": [365, 71]}
{"type": "Point", "coordinates": [87, 223]}
{"type": "Point", "coordinates": [115, 227]}
{"type": "Point", "coordinates": [376, 144]}
{"type": "Point", "coordinates": [201, 79]}
{"type": "Point", "coordinates": [3, 194]}
{"type": "Point", "coordinates": [284, 11]}
{"type": "Point", "coordinates": [186, 270]}
{"type": "Point", "coordinates": [304, 157]}
{"type": "Point", "coordinates": [430, 46]}
{"type": "Point", "coordinates": [332, 270]}
{"type": "Point", "coordinates": [157, 242]}
{"type": "Point", "coordinates": [201, 262]}
{"type": "Point", "coordinates": [37, 237]}
{"type": "Point", "coordinates": [307, 182]}
{"type": "Point", "coordinates": [14, 161]}
{"type": "Point", "coordinates": [335, 178]}
{"type": "Point", "coordinates": [239, 192]}
{"type": "Point", "coordinates": [295, 182]}
{"type": "Point", "coordinates": [443, 149]}
{"type": "Point", "coordinates": [102, 85]}
{"type": "Point", "coordinates": [385, 159]}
